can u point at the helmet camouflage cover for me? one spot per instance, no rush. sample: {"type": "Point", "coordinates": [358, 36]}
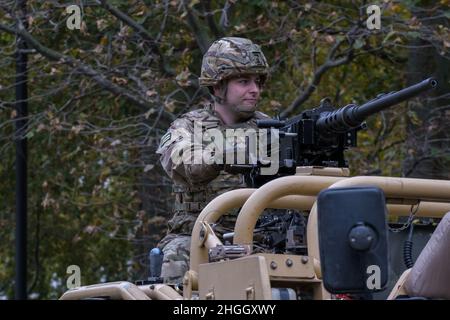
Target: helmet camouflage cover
{"type": "Point", "coordinates": [230, 57]}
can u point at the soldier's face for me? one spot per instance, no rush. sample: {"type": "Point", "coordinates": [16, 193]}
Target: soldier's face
{"type": "Point", "coordinates": [243, 93]}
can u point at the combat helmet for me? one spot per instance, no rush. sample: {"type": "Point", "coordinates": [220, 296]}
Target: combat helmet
{"type": "Point", "coordinates": [232, 56]}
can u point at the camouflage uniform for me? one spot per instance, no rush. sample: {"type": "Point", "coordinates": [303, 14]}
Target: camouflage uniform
{"type": "Point", "coordinates": [197, 184]}
{"type": "Point", "coordinates": [194, 186]}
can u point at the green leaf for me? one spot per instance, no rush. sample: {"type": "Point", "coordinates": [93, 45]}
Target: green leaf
{"type": "Point", "coordinates": [389, 35]}
{"type": "Point", "coordinates": [340, 38]}
{"type": "Point", "coordinates": [414, 34]}
{"type": "Point", "coordinates": [359, 43]}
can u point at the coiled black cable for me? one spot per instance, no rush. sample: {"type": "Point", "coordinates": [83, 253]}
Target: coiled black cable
{"type": "Point", "coordinates": [407, 248]}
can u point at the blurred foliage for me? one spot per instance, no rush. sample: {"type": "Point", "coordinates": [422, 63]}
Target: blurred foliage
{"type": "Point", "coordinates": [97, 196]}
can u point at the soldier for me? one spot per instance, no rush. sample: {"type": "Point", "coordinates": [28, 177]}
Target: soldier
{"type": "Point", "coordinates": [234, 70]}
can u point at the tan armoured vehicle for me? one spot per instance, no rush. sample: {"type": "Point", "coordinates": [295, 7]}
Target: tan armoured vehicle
{"type": "Point", "coordinates": [331, 243]}
{"type": "Point", "coordinates": [264, 276]}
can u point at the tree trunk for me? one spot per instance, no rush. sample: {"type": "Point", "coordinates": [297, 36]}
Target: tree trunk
{"type": "Point", "coordinates": [428, 148]}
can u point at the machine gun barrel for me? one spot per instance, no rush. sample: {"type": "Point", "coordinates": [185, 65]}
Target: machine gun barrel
{"type": "Point", "coordinates": [351, 116]}
{"type": "Point", "coordinates": [391, 99]}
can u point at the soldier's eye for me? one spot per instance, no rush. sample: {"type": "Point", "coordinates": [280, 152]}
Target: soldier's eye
{"type": "Point", "coordinates": [243, 81]}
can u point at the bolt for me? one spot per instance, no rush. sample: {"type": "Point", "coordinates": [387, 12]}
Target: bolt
{"type": "Point", "coordinates": [273, 265]}
{"type": "Point", "coordinates": [289, 262]}
{"type": "Point", "coordinates": [305, 260]}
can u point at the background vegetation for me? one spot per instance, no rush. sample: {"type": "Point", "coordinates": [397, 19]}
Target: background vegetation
{"type": "Point", "coordinates": [101, 97]}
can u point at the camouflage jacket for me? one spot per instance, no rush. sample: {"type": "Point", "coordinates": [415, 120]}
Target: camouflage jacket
{"type": "Point", "coordinates": [196, 184]}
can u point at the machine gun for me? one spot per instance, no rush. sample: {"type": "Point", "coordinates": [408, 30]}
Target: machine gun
{"type": "Point", "coordinates": [318, 137]}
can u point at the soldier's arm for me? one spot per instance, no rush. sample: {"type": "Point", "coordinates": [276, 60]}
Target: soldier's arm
{"type": "Point", "coordinates": [176, 149]}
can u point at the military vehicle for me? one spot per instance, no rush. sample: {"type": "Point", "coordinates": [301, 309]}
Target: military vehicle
{"type": "Point", "coordinates": [332, 240]}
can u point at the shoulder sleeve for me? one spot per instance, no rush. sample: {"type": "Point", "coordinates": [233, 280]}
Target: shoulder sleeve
{"type": "Point", "coordinates": [179, 129]}
{"type": "Point", "coordinates": [176, 149]}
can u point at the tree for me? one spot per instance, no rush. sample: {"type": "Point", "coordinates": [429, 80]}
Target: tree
{"type": "Point", "coordinates": [428, 153]}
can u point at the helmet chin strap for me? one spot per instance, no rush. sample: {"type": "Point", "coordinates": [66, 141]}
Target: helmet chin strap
{"type": "Point", "coordinates": [221, 99]}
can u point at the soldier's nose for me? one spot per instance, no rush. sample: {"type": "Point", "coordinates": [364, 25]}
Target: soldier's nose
{"type": "Point", "coordinates": [254, 87]}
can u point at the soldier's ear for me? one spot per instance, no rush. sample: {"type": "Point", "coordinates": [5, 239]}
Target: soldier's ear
{"type": "Point", "coordinates": [219, 89]}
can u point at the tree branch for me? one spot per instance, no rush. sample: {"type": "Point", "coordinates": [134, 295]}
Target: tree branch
{"type": "Point", "coordinates": [210, 18]}
{"type": "Point", "coordinates": [224, 21]}
{"type": "Point", "coordinates": [85, 69]}
{"type": "Point", "coordinates": [163, 23]}
{"type": "Point", "coordinates": [200, 35]}
{"type": "Point", "coordinates": [330, 63]}
{"type": "Point", "coordinates": [141, 32]}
